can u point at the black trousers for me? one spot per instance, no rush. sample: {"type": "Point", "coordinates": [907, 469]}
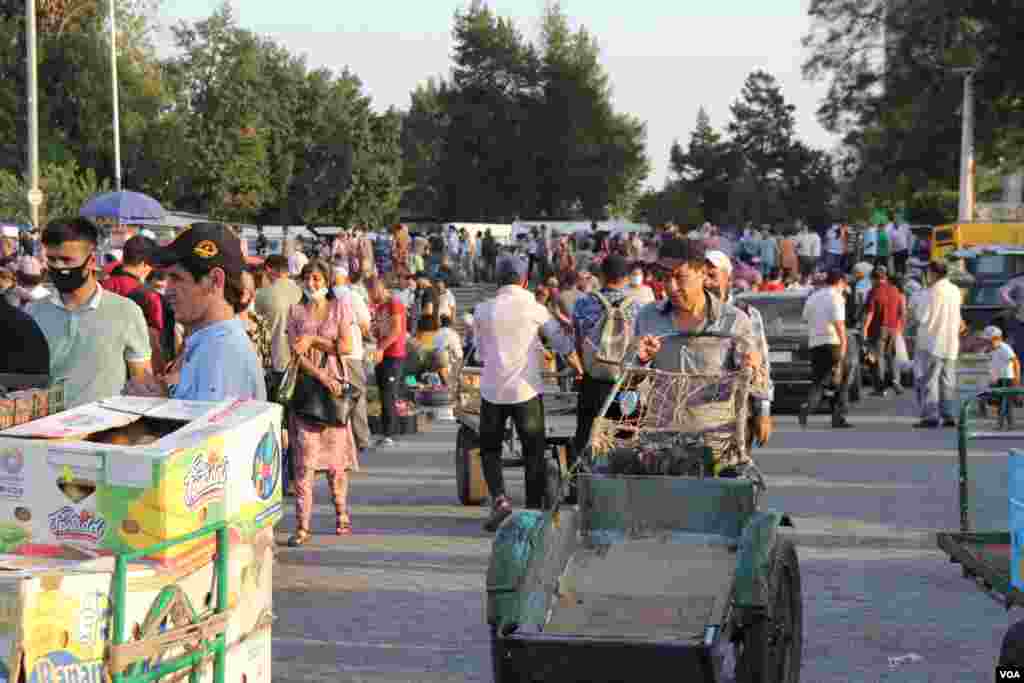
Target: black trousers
{"type": "Point", "coordinates": [593, 393]}
{"type": "Point", "coordinates": [824, 360]}
{"type": "Point", "coordinates": [899, 261]}
{"type": "Point", "coordinates": [528, 417]}
{"type": "Point", "coordinates": [388, 373]}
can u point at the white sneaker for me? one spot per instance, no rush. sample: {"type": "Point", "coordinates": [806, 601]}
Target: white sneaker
{"type": "Point", "coordinates": [386, 442]}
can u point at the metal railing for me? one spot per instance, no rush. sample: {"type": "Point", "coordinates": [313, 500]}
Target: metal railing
{"type": "Point", "coordinates": [127, 666]}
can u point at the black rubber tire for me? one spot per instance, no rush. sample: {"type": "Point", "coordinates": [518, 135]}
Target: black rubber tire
{"type": "Point", "coordinates": [465, 441]}
{"type": "Point", "coordinates": [771, 649]}
{"type": "Point", "coordinates": [1011, 653]}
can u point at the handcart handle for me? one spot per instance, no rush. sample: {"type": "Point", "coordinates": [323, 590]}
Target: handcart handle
{"type": "Point", "coordinates": [963, 436]}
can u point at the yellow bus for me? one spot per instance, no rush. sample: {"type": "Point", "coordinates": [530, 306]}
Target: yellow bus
{"type": "Point", "coordinates": [947, 238]}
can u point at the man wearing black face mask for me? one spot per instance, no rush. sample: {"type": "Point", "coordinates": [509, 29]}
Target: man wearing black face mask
{"type": "Point", "coordinates": [97, 339]}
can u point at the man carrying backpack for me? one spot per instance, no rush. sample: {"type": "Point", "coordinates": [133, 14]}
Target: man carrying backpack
{"type": "Point", "coordinates": [130, 279]}
{"type": "Point", "coordinates": [603, 321]}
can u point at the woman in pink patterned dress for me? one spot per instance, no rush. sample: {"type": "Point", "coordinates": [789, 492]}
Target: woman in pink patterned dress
{"type": "Point", "coordinates": [320, 325]}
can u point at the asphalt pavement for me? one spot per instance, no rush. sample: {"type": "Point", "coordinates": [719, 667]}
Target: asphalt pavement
{"type": "Point", "coordinates": [402, 599]}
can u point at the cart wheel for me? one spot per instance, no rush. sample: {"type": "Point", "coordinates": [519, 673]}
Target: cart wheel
{"type": "Point", "coordinates": [503, 673]}
{"type": "Point", "coordinates": [469, 475]}
{"type": "Point", "coordinates": [1012, 651]}
{"type": "Point", "coordinates": [770, 650]}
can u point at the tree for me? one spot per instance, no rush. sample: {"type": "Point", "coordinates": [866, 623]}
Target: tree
{"type": "Point", "coordinates": [221, 79]}
{"type": "Point", "coordinates": [592, 157]}
{"type": "Point", "coordinates": [424, 130]}
{"type": "Point", "coordinates": [894, 93]}
{"type": "Point", "coordinates": [672, 204]}
{"type": "Point", "coordinates": [66, 187]}
{"type": "Point", "coordinates": [762, 127]}
{"type": "Point", "coordinates": [524, 129]}
{"type": "Point", "coordinates": [705, 166]}
{"type": "Point", "coordinates": [75, 101]}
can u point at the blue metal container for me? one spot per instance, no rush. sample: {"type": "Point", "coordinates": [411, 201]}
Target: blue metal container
{"type": "Point", "coordinates": [1016, 490]}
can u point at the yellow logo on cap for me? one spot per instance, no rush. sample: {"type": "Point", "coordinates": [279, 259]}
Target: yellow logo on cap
{"type": "Point", "coordinates": [205, 249]}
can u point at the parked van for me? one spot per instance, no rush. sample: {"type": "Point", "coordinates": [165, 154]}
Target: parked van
{"type": "Point", "coordinates": [947, 238]}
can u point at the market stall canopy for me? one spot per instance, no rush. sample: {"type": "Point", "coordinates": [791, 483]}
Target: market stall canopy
{"type": "Point", "coordinates": [124, 206]}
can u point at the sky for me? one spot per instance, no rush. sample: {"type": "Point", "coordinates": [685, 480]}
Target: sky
{"type": "Point", "coordinates": [664, 58]}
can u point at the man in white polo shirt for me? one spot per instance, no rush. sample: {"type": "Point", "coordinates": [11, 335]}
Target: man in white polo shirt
{"type": "Point", "coordinates": [507, 330]}
{"type": "Point", "coordinates": [97, 338]}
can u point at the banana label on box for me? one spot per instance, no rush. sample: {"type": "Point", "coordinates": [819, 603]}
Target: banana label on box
{"type": "Point", "coordinates": [63, 667]}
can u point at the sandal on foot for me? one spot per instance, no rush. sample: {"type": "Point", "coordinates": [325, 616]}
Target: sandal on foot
{"type": "Point", "coordinates": [299, 538]}
{"type": "Point", "coordinates": [343, 529]}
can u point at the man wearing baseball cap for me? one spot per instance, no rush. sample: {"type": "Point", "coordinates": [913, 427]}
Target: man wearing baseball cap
{"type": "Point", "coordinates": [204, 287]}
{"type": "Point", "coordinates": [1004, 371]}
{"type": "Point", "coordinates": [727, 342]}
{"type": "Point", "coordinates": [719, 283]}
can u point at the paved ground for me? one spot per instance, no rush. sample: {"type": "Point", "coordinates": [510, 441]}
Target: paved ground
{"type": "Point", "coordinates": [402, 600]}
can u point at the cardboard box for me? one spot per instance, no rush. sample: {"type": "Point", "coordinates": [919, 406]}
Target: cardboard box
{"type": "Point", "coordinates": [56, 616]}
{"type": "Point", "coordinates": [126, 473]}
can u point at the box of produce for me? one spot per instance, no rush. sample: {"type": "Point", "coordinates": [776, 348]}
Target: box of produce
{"type": "Point", "coordinates": [56, 614]}
{"type": "Point", "coordinates": [127, 473]}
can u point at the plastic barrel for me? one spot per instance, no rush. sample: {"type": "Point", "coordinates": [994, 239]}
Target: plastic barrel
{"type": "Point", "coordinates": [1016, 490]}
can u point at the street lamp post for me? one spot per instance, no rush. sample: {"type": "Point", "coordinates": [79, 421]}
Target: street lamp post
{"type": "Point", "coordinates": [34, 196]}
{"type": "Point", "coordinates": [967, 168]}
{"type": "Point", "coordinates": [114, 88]}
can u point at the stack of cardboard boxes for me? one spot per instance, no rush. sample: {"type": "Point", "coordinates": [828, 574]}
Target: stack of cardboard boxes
{"type": "Point", "coordinates": [122, 475]}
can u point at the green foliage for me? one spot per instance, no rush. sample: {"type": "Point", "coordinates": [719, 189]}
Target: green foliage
{"type": "Point", "coordinates": [65, 186]}
{"type": "Point", "coordinates": [760, 173]}
{"type": "Point", "coordinates": [673, 204]}
{"type": "Point", "coordinates": [521, 129]}
{"type": "Point", "coordinates": [895, 94]}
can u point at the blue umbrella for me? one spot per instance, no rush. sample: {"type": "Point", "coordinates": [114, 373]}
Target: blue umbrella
{"type": "Point", "coordinates": [123, 206]}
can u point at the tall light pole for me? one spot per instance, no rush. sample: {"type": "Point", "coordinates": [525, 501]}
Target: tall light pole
{"type": "Point", "coordinates": [35, 197]}
{"type": "Point", "coordinates": [966, 212]}
{"type": "Point", "coordinates": [114, 90]}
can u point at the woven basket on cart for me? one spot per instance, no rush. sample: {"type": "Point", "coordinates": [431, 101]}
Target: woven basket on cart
{"type": "Point", "coordinates": [656, 409]}
{"type": "Point", "coordinates": [466, 390]}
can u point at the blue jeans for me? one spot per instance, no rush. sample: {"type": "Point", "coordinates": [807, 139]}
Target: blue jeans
{"type": "Point", "coordinates": [937, 388]}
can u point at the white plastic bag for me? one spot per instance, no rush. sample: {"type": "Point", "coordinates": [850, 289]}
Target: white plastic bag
{"type": "Point", "coordinates": [902, 358]}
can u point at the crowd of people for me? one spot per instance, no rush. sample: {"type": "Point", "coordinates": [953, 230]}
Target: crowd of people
{"type": "Point", "coordinates": [191, 320]}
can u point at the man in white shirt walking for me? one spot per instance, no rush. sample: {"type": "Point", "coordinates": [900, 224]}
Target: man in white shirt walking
{"type": "Point", "coordinates": [938, 339]}
{"type": "Point", "coordinates": [835, 246]}
{"type": "Point", "coordinates": [507, 330]}
{"type": "Point", "coordinates": [808, 250]}
{"type": "Point", "coordinates": [899, 236]}
{"type": "Point", "coordinates": [825, 313]}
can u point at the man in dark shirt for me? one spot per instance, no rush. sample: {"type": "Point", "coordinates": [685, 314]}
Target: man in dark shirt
{"type": "Point", "coordinates": [129, 280]}
{"type": "Point", "coordinates": [23, 348]}
{"type": "Point", "coordinates": [883, 319]}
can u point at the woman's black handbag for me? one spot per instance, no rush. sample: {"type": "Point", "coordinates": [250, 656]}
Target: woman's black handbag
{"type": "Point", "coordinates": [314, 402]}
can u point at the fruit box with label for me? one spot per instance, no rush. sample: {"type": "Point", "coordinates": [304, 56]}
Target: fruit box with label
{"type": "Point", "coordinates": [127, 473]}
{"type": "Point", "coordinates": [56, 615]}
